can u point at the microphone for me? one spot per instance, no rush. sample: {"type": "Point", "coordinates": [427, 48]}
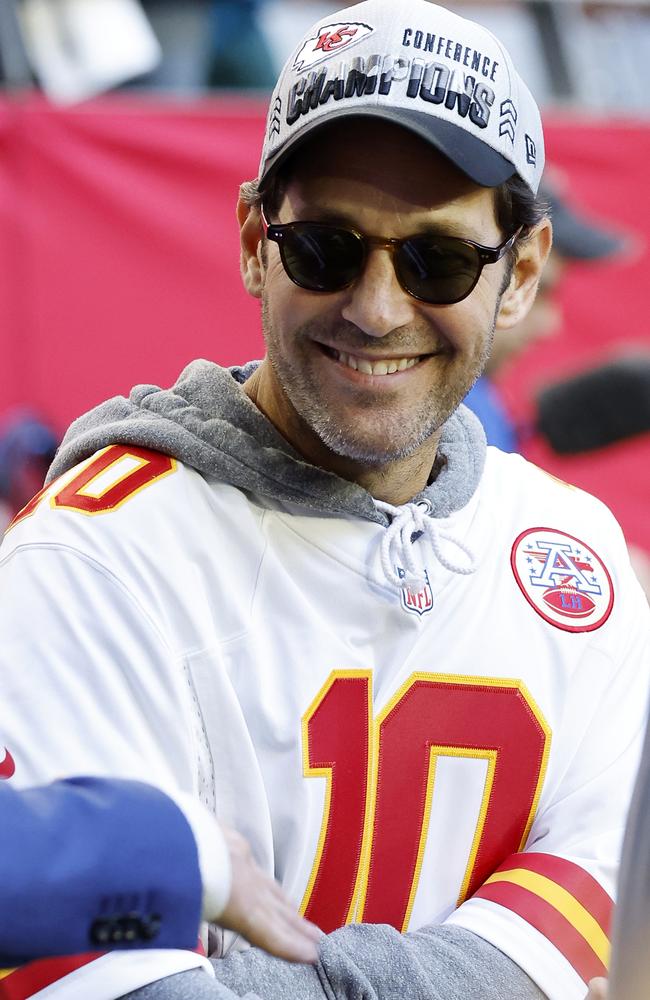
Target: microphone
{"type": "Point", "coordinates": [597, 407]}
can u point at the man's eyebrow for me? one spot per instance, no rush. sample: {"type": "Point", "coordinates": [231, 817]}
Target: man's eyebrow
{"type": "Point", "coordinates": [444, 227]}
{"type": "Point", "coordinates": [330, 216]}
{"type": "Point", "coordinates": [425, 227]}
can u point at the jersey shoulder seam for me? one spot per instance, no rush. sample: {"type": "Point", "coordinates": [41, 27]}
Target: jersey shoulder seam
{"type": "Point", "coordinates": [100, 568]}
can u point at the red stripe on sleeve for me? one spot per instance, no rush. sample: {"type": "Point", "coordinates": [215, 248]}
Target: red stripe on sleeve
{"type": "Point", "coordinates": [549, 922]}
{"type": "Point", "coordinates": [35, 976]}
{"type": "Point", "coordinates": [582, 886]}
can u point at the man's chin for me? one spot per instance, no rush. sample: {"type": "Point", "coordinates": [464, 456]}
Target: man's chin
{"type": "Point", "coordinates": [374, 449]}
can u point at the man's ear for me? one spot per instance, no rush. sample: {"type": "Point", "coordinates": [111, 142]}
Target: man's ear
{"type": "Point", "coordinates": [250, 234]}
{"type": "Point", "coordinates": [520, 294]}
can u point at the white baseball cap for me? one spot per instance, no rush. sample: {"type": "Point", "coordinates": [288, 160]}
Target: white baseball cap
{"type": "Point", "coordinates": [418, 65]}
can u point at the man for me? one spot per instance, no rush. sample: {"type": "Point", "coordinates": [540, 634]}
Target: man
{"type": "Point", "coordinates": [64, 888]}
{"type": "Point", "coordinates": [410, 674]}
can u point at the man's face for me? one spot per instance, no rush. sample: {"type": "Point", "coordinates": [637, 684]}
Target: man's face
{"type": "Point", "coordinates": [321, 377]}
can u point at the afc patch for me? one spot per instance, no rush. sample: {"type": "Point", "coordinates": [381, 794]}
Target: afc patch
{"type": "Point", "coordinates": [330, 39]}
{"type": "Point", "coordinates": [563, 579]}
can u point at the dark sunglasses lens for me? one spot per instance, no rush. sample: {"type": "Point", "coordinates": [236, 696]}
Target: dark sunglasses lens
{"type": "Point", "coordinates": [321, 258]}
{"type": "Point", "coordinates": [438, 269]}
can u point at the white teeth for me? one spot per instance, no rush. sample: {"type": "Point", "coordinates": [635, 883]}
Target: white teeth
{"type": "Point", "coordinates": [387, 366]}
{"type": "Point", "coordinates": [350, 361]}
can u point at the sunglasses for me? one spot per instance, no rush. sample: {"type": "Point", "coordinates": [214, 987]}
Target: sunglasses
{"type": "Point", "coordinates": [440, 270]}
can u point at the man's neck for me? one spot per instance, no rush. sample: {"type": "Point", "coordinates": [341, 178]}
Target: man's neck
{"type": "Point", "coordinates": [395, 482]}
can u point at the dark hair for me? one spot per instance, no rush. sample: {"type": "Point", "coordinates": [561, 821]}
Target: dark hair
{"type": "Point", "coordinates": [271, 194]}
{"type": "Point", "coordinates": [517, 208]}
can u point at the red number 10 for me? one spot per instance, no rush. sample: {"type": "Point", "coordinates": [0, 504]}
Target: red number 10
{"type": "Point", "coordinates": [380, 779]}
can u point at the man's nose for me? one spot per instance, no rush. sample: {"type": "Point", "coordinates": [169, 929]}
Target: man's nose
{"type": "Point", "coordinates": [376, 303]}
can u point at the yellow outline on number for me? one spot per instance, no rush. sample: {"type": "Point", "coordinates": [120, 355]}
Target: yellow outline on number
{"type": "Point", "coordinates": [458, 753]}
{"type": "Point", "coordinates": [86, 489]}
{"type": "Point", "coordinates": [129, 496]}
{"type": "Point", "coordinates": [326, 772]}
{"type": "Point", "coordinates": [368, 834]}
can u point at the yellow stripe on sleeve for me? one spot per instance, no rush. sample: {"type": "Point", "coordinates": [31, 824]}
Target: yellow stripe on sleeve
{"type": "Point", "coordinates": [564, 903]}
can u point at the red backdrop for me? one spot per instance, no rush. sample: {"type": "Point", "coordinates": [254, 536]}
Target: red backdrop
{"type": "Point", "coordinates": [119, 261]}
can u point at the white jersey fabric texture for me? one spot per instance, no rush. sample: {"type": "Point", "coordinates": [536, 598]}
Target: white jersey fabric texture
{"type": "Point", "coordinates": [458, 750]}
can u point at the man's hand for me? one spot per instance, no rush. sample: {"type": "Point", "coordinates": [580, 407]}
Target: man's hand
{"type": "Point", "coordinates": [259, 910]}
{"type": "Point", "coordinates": [597, 990]}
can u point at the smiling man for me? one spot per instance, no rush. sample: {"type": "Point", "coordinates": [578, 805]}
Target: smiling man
{"type": "Point", "coordinates": [409, 669]}
{"type": "Point", "coordinates": [362, 378]}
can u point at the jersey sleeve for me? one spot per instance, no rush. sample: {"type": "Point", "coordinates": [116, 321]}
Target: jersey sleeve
{"type": "Point", "coordinates": [89, 684]}
{"type": "Point", "coordinates": [550, 907]}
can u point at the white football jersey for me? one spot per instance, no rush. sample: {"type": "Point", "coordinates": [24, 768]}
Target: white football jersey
{"type": "Point", "coordinates": [461, 751]}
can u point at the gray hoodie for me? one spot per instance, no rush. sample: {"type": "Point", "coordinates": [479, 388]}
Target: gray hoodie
{"type": "Point", "coordinates": [207, 422]}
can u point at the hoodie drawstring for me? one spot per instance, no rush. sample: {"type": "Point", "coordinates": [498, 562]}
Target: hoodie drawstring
{"type": "Point", "coordinates": [409, 523]}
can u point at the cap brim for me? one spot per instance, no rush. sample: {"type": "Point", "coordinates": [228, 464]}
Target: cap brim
{"type": "Point", "coordinates": [578, 239]}
{"type": "Point", "coordinates": [470, 154]}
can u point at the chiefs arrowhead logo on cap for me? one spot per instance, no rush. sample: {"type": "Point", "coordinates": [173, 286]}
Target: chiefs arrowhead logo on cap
{"type": "Point", "coordinates": [329, 40]}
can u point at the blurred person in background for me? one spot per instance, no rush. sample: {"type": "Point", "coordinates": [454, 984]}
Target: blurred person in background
{"type": "Point", "coordinates": [241, 57]}
{"type": "Point", "coordinates": [575, 238]}
{"type": "Point", "coordinates": [27, 447]}
{"type": "Point", "coordinates": [563, 407]}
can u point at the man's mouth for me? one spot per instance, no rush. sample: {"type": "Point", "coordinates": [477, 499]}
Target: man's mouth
{"type": "Point", "coordinates": [383, 366]}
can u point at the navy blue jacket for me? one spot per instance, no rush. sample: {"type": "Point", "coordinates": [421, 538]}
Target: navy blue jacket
{"type": "Point", "coordinates": [92, 864]}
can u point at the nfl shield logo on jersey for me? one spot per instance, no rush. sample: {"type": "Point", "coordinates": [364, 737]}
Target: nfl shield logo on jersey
{"type": "Point", "coordinates": [416, 600]}
{"type": "Point", "coordinates": [563, 579]}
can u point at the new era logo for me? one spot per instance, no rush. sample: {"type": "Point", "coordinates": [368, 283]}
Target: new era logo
{"type": "Point", "coordinates": [531, 151]}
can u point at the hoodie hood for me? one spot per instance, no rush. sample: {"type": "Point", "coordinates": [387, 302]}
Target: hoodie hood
{"type": "Point", "coordinates": [207, 422]}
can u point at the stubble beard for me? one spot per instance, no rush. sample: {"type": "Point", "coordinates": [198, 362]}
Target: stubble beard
{"type": "Point", "coordinates": [394, 434]}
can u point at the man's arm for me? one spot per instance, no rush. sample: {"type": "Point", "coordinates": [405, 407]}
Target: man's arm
{"type": "Point", "coordinates": [65, 888]}
{"type": "Point", "coordinates": [375, 962]}
{"type": "Point", "coordinates": [96, 688]}
{"type": "Point", "coordinates": [368, 962]}
{"type": "Point", "coordinates": [546, 906]}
